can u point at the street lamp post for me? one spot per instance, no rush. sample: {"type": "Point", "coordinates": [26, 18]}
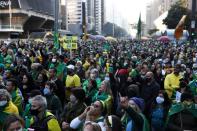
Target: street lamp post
{"type": "Point", "coordinates": [56, 16]}
{"type": "Point", "coordinates": [10, 13]}
{"type": "Point", "coordinates": [56, 26]}
{"type": "Point", "coordinates": [193, 22]}
{"type": "Point", "coordinates": [84, 28]}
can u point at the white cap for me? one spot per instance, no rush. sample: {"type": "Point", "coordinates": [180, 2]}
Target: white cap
{"type": "Point", "coordinates": [71, 67]}
{"type": "Point", "coordinates": [79, 62]}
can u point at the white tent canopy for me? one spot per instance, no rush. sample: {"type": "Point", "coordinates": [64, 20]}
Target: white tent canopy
{"type": "Point", "coordinates": [159, 22]}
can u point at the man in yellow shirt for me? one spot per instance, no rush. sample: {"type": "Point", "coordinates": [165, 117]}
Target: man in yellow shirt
{"type": "Point", "coordinates": [72, 80]}
{"type": "Point", "coordinates": [172, 81]}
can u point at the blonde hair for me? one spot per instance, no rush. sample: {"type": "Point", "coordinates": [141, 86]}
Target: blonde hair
{"type": "Point", "coordinates": [108, 87]}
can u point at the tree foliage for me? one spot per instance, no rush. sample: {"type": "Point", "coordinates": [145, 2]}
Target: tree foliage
{"type": "Point", "coordinates": [93, 32]}
{"type": "Point", "coordinates": [118, 31]}
{"type": "Point", "coordinates": [151, 31]}
{"type": "Point", "coordinates": [175, 14]}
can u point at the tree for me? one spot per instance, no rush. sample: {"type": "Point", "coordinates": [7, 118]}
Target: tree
{"type": "Point", "coordinates": [135, 26]}
{"type": "Point", "coordinates": [175, 14]}
{"type": "Point", "coordinates": [93, 32]}
{"type": "Point", "coordinates": [118, 31]}
{"type": "Point", "coordinates": [151, 31]}
{"type": "Point", "coordinates": [108, 28]}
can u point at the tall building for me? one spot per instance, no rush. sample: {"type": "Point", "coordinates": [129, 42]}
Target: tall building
{"type": "Point", "coordinates": [152, 13]}
{"type": "Point", "coordinates": [103, 13]}
{"type": "Point", "coordinates": [96, 15]}
{"type": "Point", "coordinates": [189, 4]}
{"type": "Point", "coordinates": [156, 9]}
{"type": "Point", "coordinates": [22, 16]}
{"type": "Point", "coordinates": [64, 23]}
{"type": "Point", "coordinates": [74, 8]}
{"type": "Point", "coordinates": [74, 14]}
{"type": "Point", "coordinates": [90, 14]}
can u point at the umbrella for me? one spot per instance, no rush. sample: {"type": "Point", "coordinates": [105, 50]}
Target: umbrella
{"type": "Point", "coordinates": [100, 37]}
{"type": "Point", "coordinates": [164, 39]}
{"type": "Point", "coordinates": [109, 38]}
{"type": "Point", "coordinates": [96, 37]}
{"type": "Point", "coordinates": [38, 40]}
{"type": "Point", "coordinates": [91, 37]}
{"type": "Point", "coordinates": [145, 38]}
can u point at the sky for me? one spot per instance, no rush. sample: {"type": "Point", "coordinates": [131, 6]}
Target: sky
{"type": "Point", "coordinates": [125, 12]}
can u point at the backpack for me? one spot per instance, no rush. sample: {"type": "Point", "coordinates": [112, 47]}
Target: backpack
{"type": "Point", "coordinates": [41, 125]}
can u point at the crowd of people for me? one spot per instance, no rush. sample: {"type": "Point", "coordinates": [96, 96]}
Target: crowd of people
{"type": "Point", "coordinates": [102, 86]}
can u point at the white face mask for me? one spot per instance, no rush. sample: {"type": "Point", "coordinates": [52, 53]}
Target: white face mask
{"type": "Point", "coordinates": [92, 76]}
{"type": "Point", "coordinates": [54, 60]}
{"type": "Point", "coordinates": [125, 64]}
{"type": "Point", "coordinates": [3, 103]}
{"type": "Point", "coordinates": [107, 78]}
{"type": "Point", "coordinates": [159, 100]}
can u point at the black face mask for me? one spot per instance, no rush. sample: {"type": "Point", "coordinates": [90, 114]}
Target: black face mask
{"type": "Point", "coordinates": [69, 72]}
{"type": "Point", "coordinates": [34, 112]}
{"type": "Point", "coordinates": [130, 82]}
{"type": "Point", "coordinates": [148, 80]}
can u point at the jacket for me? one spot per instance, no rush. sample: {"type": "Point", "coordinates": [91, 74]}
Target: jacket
{"type": "Point", "coordinates": [48, 123]}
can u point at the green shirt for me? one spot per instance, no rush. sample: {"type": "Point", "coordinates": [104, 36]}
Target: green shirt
{"type": "Point", "coordinates": [193, 87]}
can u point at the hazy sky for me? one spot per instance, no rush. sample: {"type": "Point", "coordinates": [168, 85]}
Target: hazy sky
{"type": "Point", "coordinates": [128, 9]}
{"type": "Point", "coordinates": [126, 12]}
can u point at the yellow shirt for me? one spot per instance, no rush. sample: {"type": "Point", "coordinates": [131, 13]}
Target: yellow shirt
{"type": "Point", "coordinates": [86, 65]}
{"type": "Point", "coordinates": [171, 83]}
{"type": "Point", "coordinates": [53, 125]}
{"type": "Point", "coordinates": [71, 82]}
{"type": "Point", "coordinates": [107, 67]}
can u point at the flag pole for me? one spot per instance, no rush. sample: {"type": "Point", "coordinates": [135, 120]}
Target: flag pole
{"type": "Point", "coordinates": [10, 13]}
{"type": "Point", "coordinates": [84, 24]}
